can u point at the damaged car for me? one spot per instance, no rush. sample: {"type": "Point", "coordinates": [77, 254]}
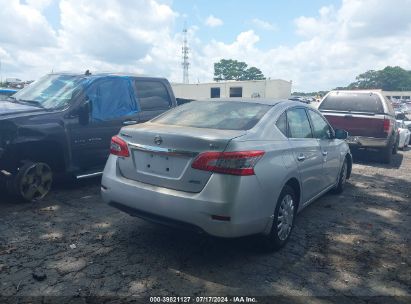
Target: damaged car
{"type": "Point", "coordinates": [62, 124]}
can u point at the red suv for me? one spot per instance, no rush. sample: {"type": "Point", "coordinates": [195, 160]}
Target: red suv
{"type": "Point", "coordinates": [368, 117]}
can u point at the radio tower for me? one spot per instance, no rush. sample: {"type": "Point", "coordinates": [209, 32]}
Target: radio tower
{"type": "Point", "coordinates": [185, 50]}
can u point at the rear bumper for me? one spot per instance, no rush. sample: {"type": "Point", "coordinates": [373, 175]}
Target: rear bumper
{"type": "Point", "coordinates": [238, 198]}
{"type": "Point", "coordinates": [366, 142]}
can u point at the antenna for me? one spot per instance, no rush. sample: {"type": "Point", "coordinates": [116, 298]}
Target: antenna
{"type": "Point", "coordinates": [185, 50]}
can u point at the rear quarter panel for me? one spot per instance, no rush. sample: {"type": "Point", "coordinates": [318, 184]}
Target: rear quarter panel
{"type": "Point", "coordinates": [272, 171]}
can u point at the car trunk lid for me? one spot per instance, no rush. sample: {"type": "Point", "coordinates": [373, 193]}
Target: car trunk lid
{"type": "Point", "coordinates": [162, 155]}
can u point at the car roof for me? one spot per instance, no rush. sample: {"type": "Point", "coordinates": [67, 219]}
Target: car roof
{"type": "Point", "coordinates": [108, 74]}
{"type": "Point", "coordinates": [263, 101]}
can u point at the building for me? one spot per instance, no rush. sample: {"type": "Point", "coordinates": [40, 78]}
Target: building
{"type": "Point", "coordinates": [270, 88]}
{"type": "Point", "coordinates": [392, 95]}
{"type": "Point", "coordinates": [13, 81]}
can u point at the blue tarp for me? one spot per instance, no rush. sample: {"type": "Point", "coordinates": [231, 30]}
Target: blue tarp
{"type": "Point", "coordinates": [111, 98]}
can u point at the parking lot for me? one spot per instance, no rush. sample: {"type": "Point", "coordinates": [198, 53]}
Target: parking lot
{"type": "Point", "coordinates": [357, 243]}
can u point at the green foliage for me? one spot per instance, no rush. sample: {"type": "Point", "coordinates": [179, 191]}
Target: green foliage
{"type": "Point", "coordinates": [319, 93]}
{"type": "Point", "coordinates": [388, 79]}
{"type": "Point", "coordinates": [229, 69]}
{"type": "Point", "coordinates": [253, 74]}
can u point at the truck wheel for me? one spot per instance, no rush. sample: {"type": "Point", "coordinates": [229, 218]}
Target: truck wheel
{"type": "Point", "coordinates": [386, 154]}
{"type": "Point", "coordinates": [32, 181]}
{"type": "Point", "coordinates": [395, 148]}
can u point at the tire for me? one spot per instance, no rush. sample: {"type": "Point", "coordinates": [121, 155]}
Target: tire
{"type": "Point", "coordinates": [32, 182]}
{"type": "Point", "coordinates": [395, 147]}
{"type": "Point", "coordinates": [342, 178]}
{"type": "Point", "coordinates": [283, 221]}
{"type": "Point", "coordinates": [386, 154]}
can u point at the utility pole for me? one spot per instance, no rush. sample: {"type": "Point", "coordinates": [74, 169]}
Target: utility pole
{"type": "Point", "coordinates": [185, 50]}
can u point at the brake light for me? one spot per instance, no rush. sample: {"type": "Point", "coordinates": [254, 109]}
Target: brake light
{"type": "Point", "coordinates": [119, 147]}
{"type": "Point", "coordinates": [387, 126]}
{"type": "Point", "coordinates": [235, 163]}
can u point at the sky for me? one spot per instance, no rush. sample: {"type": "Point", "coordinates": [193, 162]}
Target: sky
{"type": "Point", "coordinates": [317, 44]}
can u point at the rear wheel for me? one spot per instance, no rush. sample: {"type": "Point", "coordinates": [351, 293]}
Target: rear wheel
{"type": "Point", "coordinates": [396, 144]}
{"type": "Point", "coordinates": [283, 221]}
{"type": "Point", "coordinates": [32, 182]}
{"type": "Point", "coordinates": [342, 178]}
{"type": "Point", "coordinates": [386, 154]}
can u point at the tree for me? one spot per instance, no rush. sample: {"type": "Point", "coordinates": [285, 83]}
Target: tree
{"type": "Point", "coordinates": [229, 69]}
{"type": "Point", "coordinates": [388, 79]}
{"type": "Point", "coordinates": [253, 74]}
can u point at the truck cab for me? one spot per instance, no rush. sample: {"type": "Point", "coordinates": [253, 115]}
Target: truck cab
{"type": "Point", "coordinates": [62, 124]}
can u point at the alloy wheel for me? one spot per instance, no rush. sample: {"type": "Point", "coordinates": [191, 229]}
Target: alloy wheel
{"type": "Point", "coordinates": [36, 181]}
{"type": "Point", "coordinates": [285, 217]}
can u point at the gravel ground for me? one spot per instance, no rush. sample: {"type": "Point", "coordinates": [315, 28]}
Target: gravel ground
{"type": "Point", "coordinates": [72, 244]}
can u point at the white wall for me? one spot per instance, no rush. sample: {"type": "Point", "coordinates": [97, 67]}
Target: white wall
{"type": "Point", "coordinates": [276, 88]}
{"type": "Point", "coordinates": [401, 94]}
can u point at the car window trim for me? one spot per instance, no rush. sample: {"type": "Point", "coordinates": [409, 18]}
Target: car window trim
{"type": "Point", "coordinates": [325, 120]}
{"type": "Point", "coordinates": [286, 123]}
{"type": "Point", "coordinates": [309, 122]}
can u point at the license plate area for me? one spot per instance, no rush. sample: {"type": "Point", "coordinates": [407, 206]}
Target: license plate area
{"type": "Point", "coordinates": [159, 164]}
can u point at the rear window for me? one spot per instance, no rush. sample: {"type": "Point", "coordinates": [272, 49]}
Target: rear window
{"type": "Point", "coordinates": [353, 102]}
{"type": "Point", "coordinates": [223, 115]}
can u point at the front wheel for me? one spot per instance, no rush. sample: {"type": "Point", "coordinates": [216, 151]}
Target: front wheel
{"type": "Point", "coordinates": [283, 221]}
{"type": "Point", "coordinates": [32, 181]}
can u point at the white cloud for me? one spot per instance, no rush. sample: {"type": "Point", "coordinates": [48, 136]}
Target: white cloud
{"type": "Point", "coordinates": [39, 4]}
{"type": "Point", "coordinates": [264, 25]}
{"type": "Point", "coordinates": [24, 26]}
{"type": "Point", "coordinates": [338, 44]}
{"type": "Point", "coordinates": [212, 21]}
{"type": "Point", "coordinates": [137, 36]}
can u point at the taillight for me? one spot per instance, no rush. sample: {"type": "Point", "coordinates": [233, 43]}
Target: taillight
{"type": "Point", "coordinates": [387, 126]}
{"type": "Point", "coordinates": [119, 147]}
{"type": "Point", "coordinates": [236, 163]}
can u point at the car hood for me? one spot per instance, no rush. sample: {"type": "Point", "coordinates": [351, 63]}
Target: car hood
{"type": "Point", "coordinates": [11, 109]}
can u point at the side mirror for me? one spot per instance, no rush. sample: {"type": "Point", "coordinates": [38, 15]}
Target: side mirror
{"type": "Point", "coordinates": [341, 134]}
{"type": "Point", "coordinates": [84, 113]}
{"type": "Point", "coordinates": [400, 116]}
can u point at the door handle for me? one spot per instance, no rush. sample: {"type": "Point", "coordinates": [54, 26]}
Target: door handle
{"type": "Point", "coordinates": [129, 122]}
{"type": "Point", "coordinates": [301, 157]}
{"type": "Point", "coordinates": [325, 153]}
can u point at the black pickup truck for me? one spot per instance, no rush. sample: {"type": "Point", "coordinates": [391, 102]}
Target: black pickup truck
{"type": "Point", "coordinates": [62, 124]}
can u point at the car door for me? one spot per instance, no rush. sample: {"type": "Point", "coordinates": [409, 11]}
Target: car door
{"type": "Point", "coordinates": [306, 151]}
{"type": "Point", "coordinates": [153, 98]}
{"type": "Point", "coordinates": [112, 105]}
{"type": "Point", "coordinates": [329, 147]}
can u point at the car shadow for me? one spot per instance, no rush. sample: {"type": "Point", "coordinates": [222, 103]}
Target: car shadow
{"type": "Point", "coordinates": [60, 185]}
{"type": "Point", "coordinates": [372, 158]}
{"type": "Point", "coordinates": [329, 253]}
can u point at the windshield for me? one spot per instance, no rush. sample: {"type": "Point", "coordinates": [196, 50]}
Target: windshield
{"type": "Point", "coordinates": [353, 102]}
{"type": "Point", "coordinates": [223, 115]}
{"type": "Point", "coordinates": [51, 91]}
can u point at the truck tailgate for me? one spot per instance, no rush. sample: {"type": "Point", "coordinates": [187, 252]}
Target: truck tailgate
{"type": "Point", "coordinates": [358, 124]}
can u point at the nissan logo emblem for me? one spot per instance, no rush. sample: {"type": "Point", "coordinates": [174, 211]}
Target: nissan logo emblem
{"type": "Point", "coordinates": [158, 140]}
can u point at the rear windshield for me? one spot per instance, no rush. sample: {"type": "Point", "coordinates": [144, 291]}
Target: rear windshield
{"type": "Point", "coordinates": [223, 115]}
{"type": "Point", "coordinates": [353, 102]}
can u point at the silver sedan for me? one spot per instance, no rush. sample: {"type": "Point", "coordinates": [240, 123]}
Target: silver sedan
{"type": "Point", "coordinates": [229, 168]}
